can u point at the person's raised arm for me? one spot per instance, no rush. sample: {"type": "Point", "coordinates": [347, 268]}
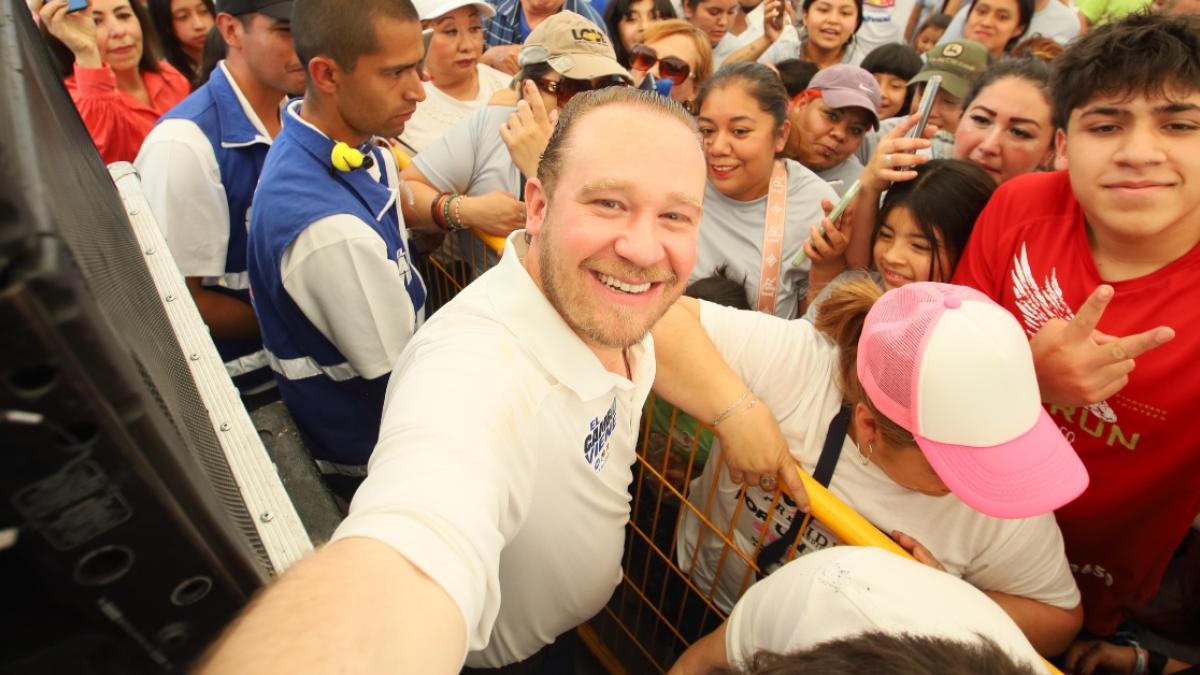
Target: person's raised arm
{"type": "Point", "coordinates": [527, 131]}
{"type": "Point", "coordinates": [753, 444]}
{"type": "Point", "coordinates": [892, 162]}
{"type": "Point", "coordinates": [826, 253]}
{"type": "Point", "coordinates": [771, 32]}
{"type": "Point", "coordinates": [355, 606]}
{"type": "Point", "coordinates": [94, 89]}
{"type": "Point", "coordinates": [1077, 364]}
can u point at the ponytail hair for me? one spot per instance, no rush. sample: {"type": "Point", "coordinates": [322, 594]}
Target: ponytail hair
{"type": "Point", "coordinates": [840, 317]}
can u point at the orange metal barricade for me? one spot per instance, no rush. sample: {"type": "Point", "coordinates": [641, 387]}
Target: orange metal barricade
{"type": "Point", "coordinates": [658, 610]}
{"type": "Point", "coordinates": [456, 264]}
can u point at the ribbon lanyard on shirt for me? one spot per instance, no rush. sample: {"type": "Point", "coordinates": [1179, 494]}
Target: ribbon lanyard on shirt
{"type": "Point", "coordinates": [772, 248]}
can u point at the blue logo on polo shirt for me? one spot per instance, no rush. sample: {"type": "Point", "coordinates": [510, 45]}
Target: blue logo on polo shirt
{"type": "Point", "coordinates": [596, 445]}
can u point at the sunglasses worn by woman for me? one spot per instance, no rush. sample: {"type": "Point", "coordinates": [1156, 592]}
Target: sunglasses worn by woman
{"type": "Point", "coordinates": [670, 68]}
{"type": "Point", "coordinates": [563, 90]}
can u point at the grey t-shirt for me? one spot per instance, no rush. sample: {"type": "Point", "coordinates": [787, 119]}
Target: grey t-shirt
{"type": "Point", "coordinates": [842, 176]}
{"type": "Point", "coordinates": [731, 234]}
{"type": "Point", "coordinates": [472, 159]}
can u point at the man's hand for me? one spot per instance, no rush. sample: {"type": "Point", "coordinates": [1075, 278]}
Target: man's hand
{"type": "Point", "coordinates": [527, 131]}
{"type": "Point", "coordinates": [502, 58]}
{"type": "Point", "coordinates": [756, 453]}
{"type": "Point", "coordinates": [496, 213]}
{"type": "Point", "coordinates": [1078, 365]}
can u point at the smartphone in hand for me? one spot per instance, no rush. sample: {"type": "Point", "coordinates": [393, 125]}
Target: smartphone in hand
{"type": "Point", "coordinates": [926, 106]}
{"type": "Point", "coordinates": [76, 5]}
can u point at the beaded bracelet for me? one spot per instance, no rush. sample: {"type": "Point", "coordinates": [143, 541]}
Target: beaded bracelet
{"type": "Point", "coordinates": [457, 223]}
{"type": "Point", "coordinates": [435, 211]}
{"type": "Point", "coordinates": [446, 211]}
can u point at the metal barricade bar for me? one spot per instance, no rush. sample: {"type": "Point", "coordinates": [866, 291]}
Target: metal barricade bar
{"type": "Point", "coordinates": [658, 610]}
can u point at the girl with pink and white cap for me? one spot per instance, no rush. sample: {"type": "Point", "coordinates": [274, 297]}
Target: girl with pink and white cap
{"type": "Point", "coordinates": [920, 407]}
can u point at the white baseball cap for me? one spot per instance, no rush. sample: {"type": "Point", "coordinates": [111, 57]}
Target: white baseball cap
{"type": "Point", "coordinates": [429, 10]}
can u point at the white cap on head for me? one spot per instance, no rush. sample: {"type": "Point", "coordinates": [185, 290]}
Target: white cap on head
{"type": "Point", "coordinates": [428, 10]}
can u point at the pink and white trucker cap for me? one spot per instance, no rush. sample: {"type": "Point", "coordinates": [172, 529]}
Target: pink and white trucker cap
{"type": "Point", "coordinates": [954, 369]}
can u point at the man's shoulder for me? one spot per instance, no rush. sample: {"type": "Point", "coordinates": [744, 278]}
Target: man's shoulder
{"type": "Point", "coordinates": [1034, 197]}
{"type": "Point", "coordinates": [200, 106]}
{"type": "Point", "coordinates": [178, 131]}
{"type": "Point", "coordinates": [293, 182]}
{"type": "Point", "coordinates": [290, 167]}
{"type": "Point", "coordinates": [470, 341]}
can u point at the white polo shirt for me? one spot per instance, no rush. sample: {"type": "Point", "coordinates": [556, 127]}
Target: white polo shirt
{"type": "Point", "coordinates": [504, 463]}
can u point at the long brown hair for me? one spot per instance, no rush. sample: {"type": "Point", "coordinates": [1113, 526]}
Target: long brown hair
{"type": "Point", "coordinates": [840, 317]}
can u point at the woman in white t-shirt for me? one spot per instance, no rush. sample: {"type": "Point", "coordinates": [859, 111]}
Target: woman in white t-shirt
{"type": "Point", "coordinates": [458, 83]}
{"type": "Point", "coordinates": [743, 124]}
{"type": "Point", "coordinates": [943, 440]}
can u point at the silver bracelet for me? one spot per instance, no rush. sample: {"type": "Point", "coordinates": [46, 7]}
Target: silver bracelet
{"type": "Point", "coordinates": [733, 408]}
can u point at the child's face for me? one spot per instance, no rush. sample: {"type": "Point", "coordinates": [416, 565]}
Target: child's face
{"type": "Point", "coordinates": [927, 38]}
{"type": "Point", "coordinates": [947, 109]}
{"type": "Point", "coordinates": [903, 254]}
{"type": "Point", "coordinates": [1134, 166]}
{"type": "Point", "coordinates": [892, 90]}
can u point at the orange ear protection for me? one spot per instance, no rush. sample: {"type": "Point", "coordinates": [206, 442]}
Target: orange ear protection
{"type": "Point", "coordinates": [345, 158]}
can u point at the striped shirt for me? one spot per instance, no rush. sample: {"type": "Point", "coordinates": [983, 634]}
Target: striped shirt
{"type": "Point", "coordinates": [506, 27]}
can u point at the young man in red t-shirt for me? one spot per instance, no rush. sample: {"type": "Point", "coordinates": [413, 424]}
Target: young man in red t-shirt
{"type": "Point", "coordinates": [1101, 263]}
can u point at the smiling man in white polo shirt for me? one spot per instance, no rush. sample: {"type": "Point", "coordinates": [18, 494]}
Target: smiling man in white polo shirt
{"type": "Point", "coordinates": [492, 519]}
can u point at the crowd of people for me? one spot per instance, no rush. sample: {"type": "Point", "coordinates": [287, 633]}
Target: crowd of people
{"type": "Point", "coordinates": [953, 354]}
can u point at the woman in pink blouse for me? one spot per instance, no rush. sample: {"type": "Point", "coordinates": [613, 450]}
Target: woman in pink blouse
{"type": "Point", "coordinates": [118, 83]}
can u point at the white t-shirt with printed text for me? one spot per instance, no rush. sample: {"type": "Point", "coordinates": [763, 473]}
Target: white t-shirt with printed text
{"type": "Point", "coordinates": [792, 369]}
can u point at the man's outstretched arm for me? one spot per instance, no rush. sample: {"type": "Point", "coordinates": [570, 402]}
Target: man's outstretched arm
{"type": "Point", "coordinates": [354, 606]}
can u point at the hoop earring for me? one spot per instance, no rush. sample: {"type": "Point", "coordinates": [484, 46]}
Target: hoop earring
{"type": "Point", "coordinates": [866, 459]}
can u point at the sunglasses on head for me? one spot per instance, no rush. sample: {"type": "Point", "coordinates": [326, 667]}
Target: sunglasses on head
{"type": "Point", "coordinates": [673, 68]}
{"type": "Point", "coordinates": [565, 89]}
